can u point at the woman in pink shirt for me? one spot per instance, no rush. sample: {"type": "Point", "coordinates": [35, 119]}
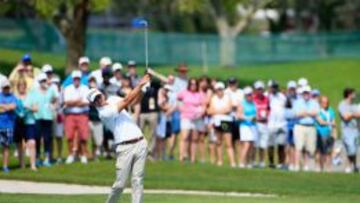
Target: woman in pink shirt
{"type": "Point", "coordinates": [191, 110]}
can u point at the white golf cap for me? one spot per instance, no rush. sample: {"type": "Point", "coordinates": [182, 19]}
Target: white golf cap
{"type": "Point", "coordinates": [55, 80]}
{"type": "Point", "coordinates": [116, 67]}
{"type": "Point", "coordinates": [270, 83]}
{"type": "Point", "coordinates": [46, 68]}
{"type": "Point", "coordinates": [303, 82]}
{"type": "Point", "coordinates": [105, 61]}
{"type": "Point", "coordinates": [84, 59]}
{"type": "Point", "coordinates": [131, 63]}
{"type": "Point", "coordinates": [168, 87]}
{"type": "Point", "coordinates": [306, 88]}
{"type": "Point", "coordinates": [248, 90]}
{"type": "Point", "coordinates": [259, 84]}
{"type": "Point", "coordinates": [76, 74]}
{"type": "Point", "coordinates": [5, 83]}
{"type": "Point", "coordinates": [92, 94]}
{"type": "Point", "coordinates": [291, 84]}
{"type": "Point", "coordinates": [315, 92]}
{"type": "Point", "coordinates": [219, 85]}
{"type": "Point", "coordinates": [41, 77]}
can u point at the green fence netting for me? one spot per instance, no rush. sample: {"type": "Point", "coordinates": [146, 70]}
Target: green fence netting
{"type": "Point", "coordinates": [169, 48]}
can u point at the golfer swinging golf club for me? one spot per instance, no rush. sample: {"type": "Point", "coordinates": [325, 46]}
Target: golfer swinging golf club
{"type": "Point", "coordinates": [131, 147]}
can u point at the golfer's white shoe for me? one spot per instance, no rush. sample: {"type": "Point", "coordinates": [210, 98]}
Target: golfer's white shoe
{"type": "Point", "coordinates": [70, 159]}
{"type": "Point", "coordinates": [83, 160]}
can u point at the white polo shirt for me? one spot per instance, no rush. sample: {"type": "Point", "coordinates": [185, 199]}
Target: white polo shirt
{"type": "Point", "coordinates": [277, 118]}
{"type": "Point", "coordinates": [121, 124]}
{"type": "Point", "coordinates": [72, 93]}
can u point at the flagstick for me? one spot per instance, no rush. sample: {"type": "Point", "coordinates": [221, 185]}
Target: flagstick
{"type": "Point", "coordinates": [146, 47]}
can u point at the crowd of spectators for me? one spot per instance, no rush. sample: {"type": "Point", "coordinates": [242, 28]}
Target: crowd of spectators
{"type": "Point", "coordinates": [260, 125]}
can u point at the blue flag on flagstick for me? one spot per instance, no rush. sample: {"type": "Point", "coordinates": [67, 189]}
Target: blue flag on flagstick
{"type": "Point", "coordinates": [139, 23]}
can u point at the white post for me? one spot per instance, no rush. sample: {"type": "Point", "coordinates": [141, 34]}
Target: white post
{"type": "Point", "coordinates": [146, 47]}
{"type": "Point", "coordinates": [204, 57]}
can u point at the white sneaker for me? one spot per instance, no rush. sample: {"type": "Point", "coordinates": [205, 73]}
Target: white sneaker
{"type": "Point", "coordinates": [97, 152]}
{"type": "Point", "coordinates": [262, 165]}
{"type": "Point", "coordinates": [241, 165]}
{"type": "Point", "coordinates": [250, 166]}
{"type": "Point", "coordinates": [70, 159]}
{"type": "Point", "coordinates": [348, 170]}
{"type": "Point", "coordinates": [296, 168]}
{"type": "Point", "coordinates": [306, 168]}
{"type": "Point", "coordinates": [83, 160]}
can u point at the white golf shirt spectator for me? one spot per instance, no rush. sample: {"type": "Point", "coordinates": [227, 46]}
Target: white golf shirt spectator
{"type": "Point", "coordinates": [104, 63]}
{"type": "Point", "coordinates": [277, 118]}
{"type": "Point", "coordinates": [72, 93]}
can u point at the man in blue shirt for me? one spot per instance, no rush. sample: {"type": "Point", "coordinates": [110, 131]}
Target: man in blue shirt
{"type": "Point", "coordinates": [7, 120]}
{"type": "Point", "coordinates": [306, 111]}
{"type": "Point", "coordinates": [84, 64]}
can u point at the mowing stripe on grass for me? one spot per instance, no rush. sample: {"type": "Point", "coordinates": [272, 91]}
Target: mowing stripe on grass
{"type": "Point", "coordinates": [27, 187]}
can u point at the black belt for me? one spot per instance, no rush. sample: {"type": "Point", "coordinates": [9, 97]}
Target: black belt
{"type": "Point", "coordinates": [306, 125]}
{"type": "Point", "coordinates": [132, 141]}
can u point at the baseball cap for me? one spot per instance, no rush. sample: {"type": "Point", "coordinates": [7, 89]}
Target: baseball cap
{"type": "Point", "coordinates": [182, 68]}
{"type": "Point", "coordinates": [117, 66]}
{"type": "Point", "coordinates": [55, 80]}
{"type": "Point", "coordinates": [315, 92]}
{"type": "Point", "coordinates": [131, 63]}
{"type": "Point", "coordinates": [219, 85]}
{"type": "Point", "coordinates": [259, 84]}
{"type": "Point", "coordinates": [232, 80]}
{"type": "Point", "coordinates": [84, 59]}
{"type": "Point", "coordinates": [248, 90]}
{"type": "Point", "coordinates": [5, 83]}
{"type": "Point", "coordinates": [105, 61]}
{"type": "Point", "coordinates": [291, 84]}
{"type": "Point", "coordinates": [92, 94]}
{"type": "Point", "coordinates": [47, 68]}
{"type": "Point", "coordinates": [76, 74]}
{"type": "Point", "coordinates": [302, 82]}
{"type": "Point", "coordinates": [26, 58]}
{"type": "Point", "coordinates": [305, 89]}
{"type": "Point", "coordinates": [41, 77]}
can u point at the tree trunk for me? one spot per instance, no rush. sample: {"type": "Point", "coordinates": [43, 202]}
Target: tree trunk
{"type": "Point", "coordinates": [227, 50]}
{"type": "Point", "coordinates": [76, 35]}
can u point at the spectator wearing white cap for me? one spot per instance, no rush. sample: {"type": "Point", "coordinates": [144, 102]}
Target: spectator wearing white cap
{"type": "Point", "coordinates": [306, 111]}
{"type": "Point", "coordinates": [246, 113]}
{"type": "Point", "coordinates": [262, 109]}
{"type": "Point", "coordinates": [277, 125]}
{"type": "Point", "coordinates": [302, 82]}
{"type": "Point", "coordinates": [118, 76]}
{"type": "Point", "coordinates": [291, 97]}
{"type": "Point", "coordinates": [132, 73]}
{"type": "Point", "coordinates": [44, 98]}
{"type": "Point", "coordinates": [76, 108]}
{"type": "Point", "coordinates": [220, 110]}
{"type": "Point", "coordinates": [83, 66]}
{"type": "Point", "coordinates": [104, 63]}
{"type": "Point", "coordinates": [7, 121]}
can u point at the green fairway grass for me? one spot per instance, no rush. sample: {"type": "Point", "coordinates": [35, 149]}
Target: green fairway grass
{"type": "Point", "coordinates": [174, 175]}
{"type": "Point", "coordinates": [29, 198]}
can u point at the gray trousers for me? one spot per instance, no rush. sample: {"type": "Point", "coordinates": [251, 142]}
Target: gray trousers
{"type": "Point", "coordinates": [130, 159]}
